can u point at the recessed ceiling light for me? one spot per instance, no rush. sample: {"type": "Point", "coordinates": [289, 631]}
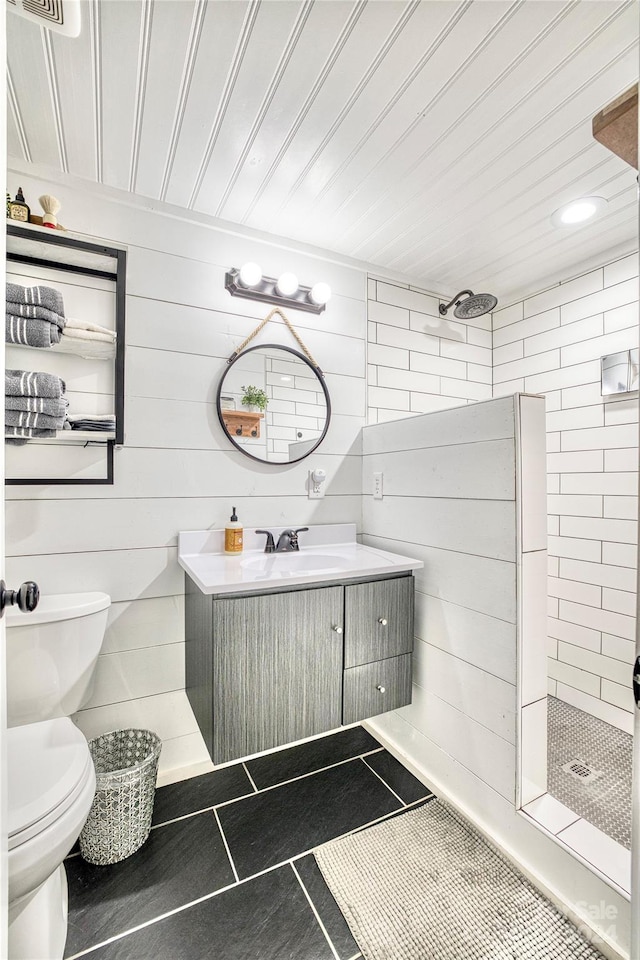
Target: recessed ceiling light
{"type": "Point", "coordinates": [578, 211]}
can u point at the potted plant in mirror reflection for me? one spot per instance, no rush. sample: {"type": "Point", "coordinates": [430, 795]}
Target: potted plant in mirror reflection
{"type": "Point", "coordinates": [253, 398]}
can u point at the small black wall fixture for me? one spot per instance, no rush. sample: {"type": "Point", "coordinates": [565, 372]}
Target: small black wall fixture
{"type": "Point", "coordinates": [265, 291]}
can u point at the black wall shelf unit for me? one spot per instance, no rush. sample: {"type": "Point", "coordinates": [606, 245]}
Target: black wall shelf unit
{"type": "Point", "coordinates": [54, 250]}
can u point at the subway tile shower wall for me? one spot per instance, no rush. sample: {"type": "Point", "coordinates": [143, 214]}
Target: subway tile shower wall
{"type": "Point", "coordinates": [551, 343]}
{"type": "Point", "coordinates": [419, 361]}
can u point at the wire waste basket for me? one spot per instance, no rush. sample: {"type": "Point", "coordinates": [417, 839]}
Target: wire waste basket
{"type": "Point", "coordinates": [119, 822]}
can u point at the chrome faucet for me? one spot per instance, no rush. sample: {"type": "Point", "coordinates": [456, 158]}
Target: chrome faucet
{"type": "Point", "coordinates": [288, 540]}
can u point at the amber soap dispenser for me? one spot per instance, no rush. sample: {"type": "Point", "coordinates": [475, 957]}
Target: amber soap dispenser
{"type": "Point", "coordinates": [233, 535]}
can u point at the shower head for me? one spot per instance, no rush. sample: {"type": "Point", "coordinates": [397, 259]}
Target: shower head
{"type": "Point", "coordinates": [474, 305]}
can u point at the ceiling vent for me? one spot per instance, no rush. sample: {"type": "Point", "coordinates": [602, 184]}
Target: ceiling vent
{"type": "Point", "coordinates": [63, 16]}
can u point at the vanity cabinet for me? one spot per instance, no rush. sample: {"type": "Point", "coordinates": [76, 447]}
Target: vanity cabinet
{"type": "Point", "coordinates": [276, 669]}
{"type": "Point", "coordinates": [266, 669]}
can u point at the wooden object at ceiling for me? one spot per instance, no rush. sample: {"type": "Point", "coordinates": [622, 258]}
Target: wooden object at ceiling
{"type": "Point", "coordinates": [616, 127]}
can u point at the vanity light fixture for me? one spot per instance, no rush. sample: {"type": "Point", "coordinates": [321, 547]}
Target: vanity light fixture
{"type": "Point", "coordinates": [287, 284]}
{"type": "Point", "coordinates": [249, 275]}
{"type": "Point", "coordinates": [578, 211]}
{"type": "Point", "coordinates": [284, 291]}
{"type": "Point", "coordinates": [320, 293]}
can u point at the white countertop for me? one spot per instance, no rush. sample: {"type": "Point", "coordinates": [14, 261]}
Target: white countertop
{"type": "Point", "coordinates": [327, 552]}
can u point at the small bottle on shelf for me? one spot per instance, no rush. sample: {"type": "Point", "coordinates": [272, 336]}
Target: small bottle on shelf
{"type": "Point", "coordinates": [18, 208]}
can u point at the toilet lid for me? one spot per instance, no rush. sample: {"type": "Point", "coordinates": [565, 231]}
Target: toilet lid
{"type": "Point", "coordinates": [46, 764]}
{"type": "Point", "coordinates": [58, 606]}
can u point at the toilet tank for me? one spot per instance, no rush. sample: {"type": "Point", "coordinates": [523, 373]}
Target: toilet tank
{"type": "Point", "coordinates": [52, 655]}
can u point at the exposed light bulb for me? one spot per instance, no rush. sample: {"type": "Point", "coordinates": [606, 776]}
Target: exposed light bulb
{"type": "Point", "coordinates": [320, 293]}
{"type": "Point", "coordinates": [287, 284]}
{"type": "Point", "coordinates": [250, 275]}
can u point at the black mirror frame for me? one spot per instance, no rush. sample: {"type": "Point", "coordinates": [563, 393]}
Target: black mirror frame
{"type": "Point", "coordinates": [319, 374]}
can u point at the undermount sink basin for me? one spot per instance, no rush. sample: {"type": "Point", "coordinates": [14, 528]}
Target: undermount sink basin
{"type": "Point", "coordinates": [287, 564]}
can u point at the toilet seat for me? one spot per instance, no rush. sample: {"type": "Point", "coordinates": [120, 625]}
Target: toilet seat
{"type": "Point", "coordinates": [48, 765]}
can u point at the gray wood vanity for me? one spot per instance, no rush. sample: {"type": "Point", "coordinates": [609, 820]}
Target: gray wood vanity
{"type": "Point", "coordinates": [267, 667]}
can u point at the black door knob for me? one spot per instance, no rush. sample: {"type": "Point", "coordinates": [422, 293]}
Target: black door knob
{"type": "Point", "coordinates": [25, 597]}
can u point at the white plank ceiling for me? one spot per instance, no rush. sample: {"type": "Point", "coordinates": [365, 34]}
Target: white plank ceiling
{"type": "Point", "coordinates": [433, 138]}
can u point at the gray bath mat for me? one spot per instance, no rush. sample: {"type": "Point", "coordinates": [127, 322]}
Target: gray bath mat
{"type": "Point", "coordinates": [425, 886]}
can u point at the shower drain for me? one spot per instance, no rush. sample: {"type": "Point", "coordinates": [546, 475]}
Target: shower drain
{"type": "Point", "coordinates": [581, 771]}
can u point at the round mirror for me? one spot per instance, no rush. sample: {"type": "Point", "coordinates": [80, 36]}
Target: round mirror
{"type": "Point", "coordinates": [273, 404]}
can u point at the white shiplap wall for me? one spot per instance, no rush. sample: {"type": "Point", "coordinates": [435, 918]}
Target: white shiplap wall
{"type": "Point", "coordinates": [450, 501]}
{"type": "Point", "coordinates": [177, 471]}
{"type": "Point", "coordinates": [552, 343]}
{"type": "Point", "coordinates": [420, 361]}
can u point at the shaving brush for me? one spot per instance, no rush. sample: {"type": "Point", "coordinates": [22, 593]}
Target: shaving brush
{"type": "Point", "coordinates": [50, 206]}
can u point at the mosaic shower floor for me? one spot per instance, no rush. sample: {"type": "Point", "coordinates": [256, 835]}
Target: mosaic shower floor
{"type": "Point", "coordinates": [599, 786]}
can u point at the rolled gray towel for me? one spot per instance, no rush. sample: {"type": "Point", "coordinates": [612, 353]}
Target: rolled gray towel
{"type": "Point", "coordinates": [31, 333]}
{"type": "Point", "coordinates": [35, 313]}
{"type": "Point", "coordinates": [39, 296]}
{"type": "Point", "coordinates": [40, 421]}
{"type": "Point", "coordinates": [28, 432]}
{"type": "Point", "coordinates": [25, 383]}
{"type": "Point", "coordinates": [53, 408]}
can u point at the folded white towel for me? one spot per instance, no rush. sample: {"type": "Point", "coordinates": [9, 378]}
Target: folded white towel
{"type": "Point", "coordinates": [86, 325]}
{"type": "Point", "coordinates": [87, 335]}
{"type": "Point", "coordinates": [92, 349]}
{"type": "Point", "coordinates": [91, 416]}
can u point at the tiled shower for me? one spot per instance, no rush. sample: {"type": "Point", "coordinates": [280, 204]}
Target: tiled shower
{"type": "Point", "coordinates": [551, 344]}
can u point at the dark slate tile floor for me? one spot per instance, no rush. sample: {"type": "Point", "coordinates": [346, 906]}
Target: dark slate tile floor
{"type": "Point", "coordinates": [308, 757]}
{"type": "Point", "coordinates": [228, 870]}
{"type": "Point", "coordinates": [277, 824]}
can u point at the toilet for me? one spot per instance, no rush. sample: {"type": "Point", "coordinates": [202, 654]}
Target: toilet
{"type": "Point", "coordinates": [51, 658]}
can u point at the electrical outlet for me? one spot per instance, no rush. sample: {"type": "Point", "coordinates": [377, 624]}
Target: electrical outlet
{"type": "Point", "coordinates": [377, 486]}
{"type": "Point", "coordinates": [315, 490]}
